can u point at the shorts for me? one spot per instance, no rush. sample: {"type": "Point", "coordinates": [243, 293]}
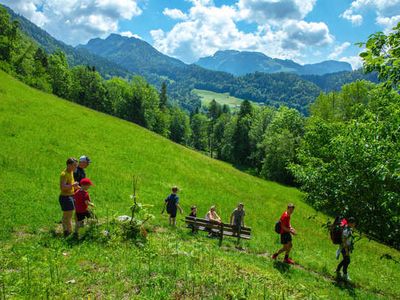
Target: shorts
{"type": "Point", "coordinates": [286, 238]}
{"type": "Point", "coordinates": [236, 228]}
{"type": "Point", "coordinates": [67, 203]}
{"type": "Point", "coordinates": [82, 216]}
{"type": "Point", "coordinates": [172, 212]}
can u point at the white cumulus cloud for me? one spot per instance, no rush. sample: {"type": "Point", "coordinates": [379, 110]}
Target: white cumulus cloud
{"type": "Point", "coordinates": [355, 61]}
{"type": "Point", "coordinates": [130, 34]}
{"type": "Point", "coordinates": [76, 21]}
{"type": "Point", "coordinates": [272, 11]}
{"type": "Point", "coordinates": [175, 14]}
{"type": "Point", "coordinates": [208, 28]}
{"type": "Point", "coordinates": [339, 50]}
{"type": "Point", "coordinates": [387, 12]}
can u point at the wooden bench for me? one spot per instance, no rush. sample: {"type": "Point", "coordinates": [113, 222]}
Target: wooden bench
{"type": "Point", "coordinates": [220, 229]}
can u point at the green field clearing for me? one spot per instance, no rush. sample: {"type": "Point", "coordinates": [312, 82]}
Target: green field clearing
{"type": "Point", "coordinates": [221, 98]}
{"type": "Point", "coordinates": [39, 131]}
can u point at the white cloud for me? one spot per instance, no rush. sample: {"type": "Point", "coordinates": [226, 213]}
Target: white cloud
{"type": "Point", "coordinates": [299, 34]}
{"type": "Point", "coordinates": [272, 11]}
{"type": "Point", "coordinates": [353, 18]}
{"type": "Point", "coordinates": [339, 50]}
{"type": "Point", "coordinates": [387, 12]}
{"type": "Point", "coordinates": [130, 34]}
{"type": "Point", "coordinates": [175, 14]}
{"type": "Point", "coordinates": [208, 28]}
{"type": "Point", "coordinates": [355, 61]}
{"type": "Point", "coordinates": [388, 22]}
{"type": "Point", "coordinates": [28, 9]}
{"type": "Point", "coordinates": [76, 21]}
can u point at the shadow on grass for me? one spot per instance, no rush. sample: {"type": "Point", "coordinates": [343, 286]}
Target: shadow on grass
{"type": "Point", "coordinates": [282, 267]}
{"type": "Point", "coordinates": [345, 286]}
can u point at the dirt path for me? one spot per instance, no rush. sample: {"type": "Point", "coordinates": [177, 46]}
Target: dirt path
{"type": "Point", "coordinates": [350, 286]}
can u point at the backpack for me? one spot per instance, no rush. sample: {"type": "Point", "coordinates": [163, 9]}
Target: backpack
{"type": "Point", "coordinates": [278, 227]}
{"type": "Point", "coordinates": [336, 230]}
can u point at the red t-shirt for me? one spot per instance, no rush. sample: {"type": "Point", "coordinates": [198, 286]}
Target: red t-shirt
{"type": "Point", "coordinates": [285, 221]}
{"type": "Point", "coordinates": [81, 197]}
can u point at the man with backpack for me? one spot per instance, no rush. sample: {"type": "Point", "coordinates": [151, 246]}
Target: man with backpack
{"type": "Point", "coordinates": [286, 231]}
{"type": "Point", "coordinates": [346, 248]}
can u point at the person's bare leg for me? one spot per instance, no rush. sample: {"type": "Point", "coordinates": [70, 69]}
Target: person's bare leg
{"type": "Point", "coordinates": [288, 247]}
{"type": "Point", "coordinates": [67, 221]}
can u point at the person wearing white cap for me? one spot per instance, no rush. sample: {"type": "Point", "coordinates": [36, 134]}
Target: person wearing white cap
{"type": "Point", "coordinates": [80, 173]}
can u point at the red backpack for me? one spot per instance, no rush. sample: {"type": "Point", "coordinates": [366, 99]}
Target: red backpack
{"type": "Point", "coordinates": [336, 230]}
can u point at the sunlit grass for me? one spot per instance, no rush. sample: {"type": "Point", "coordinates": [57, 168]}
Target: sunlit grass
{"type": "Point", "coordinates": [37, 134]}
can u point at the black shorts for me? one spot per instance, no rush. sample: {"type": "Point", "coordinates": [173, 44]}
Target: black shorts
{"type": "Point", "coordinates": [286, 238]}
{"type": "Point", "coordinates": [237, 228]}
{"type": "Point", "coordinates": [82, 216]}
{"type": "Point", "coordinates": [172, 212]}
{"type": "Point", "coordinates": [67, 203]}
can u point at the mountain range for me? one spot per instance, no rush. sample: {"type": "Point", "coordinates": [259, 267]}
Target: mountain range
{"type": "Point", "coordinates": [126, 57]}
{"type": "Point", "coordinates": [244, 62]}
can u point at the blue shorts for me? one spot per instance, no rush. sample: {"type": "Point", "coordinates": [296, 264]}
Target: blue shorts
{"type": "Point", "coordinates": [67, 203]}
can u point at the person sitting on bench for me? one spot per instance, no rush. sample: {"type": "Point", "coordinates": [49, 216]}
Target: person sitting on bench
{"type": "Point", "coordinates": [213, 217]}
{"type": "Point", "coordinates": [193, 213]}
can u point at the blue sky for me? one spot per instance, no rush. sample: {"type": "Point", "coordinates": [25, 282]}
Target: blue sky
{"type": "Point", "coordinates": [306, 31]}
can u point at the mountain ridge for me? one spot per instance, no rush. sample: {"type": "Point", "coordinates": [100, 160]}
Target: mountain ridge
{"type": "Point", "coordinates": [244, 62]}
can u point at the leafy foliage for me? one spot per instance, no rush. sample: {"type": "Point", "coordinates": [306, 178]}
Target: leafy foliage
{"type": "Point", "coordinates": [382, 54]}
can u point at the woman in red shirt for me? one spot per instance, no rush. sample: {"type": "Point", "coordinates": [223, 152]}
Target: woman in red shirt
{"type": "Point", "coordinates": [286, 234]}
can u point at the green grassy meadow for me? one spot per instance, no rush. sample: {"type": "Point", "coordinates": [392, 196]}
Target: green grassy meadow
{"type": "Point", "coordinates": [221, 98]}
{"type": "Point", "coordinates": [38, 132]}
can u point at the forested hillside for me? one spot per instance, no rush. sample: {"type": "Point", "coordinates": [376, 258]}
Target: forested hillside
{"type": "Point", "coordinates": [125, 57]}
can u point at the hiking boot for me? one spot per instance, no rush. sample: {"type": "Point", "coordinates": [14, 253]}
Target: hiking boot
{"type": "Point", "coordinates": [289, 261]}
{"type": "Point", "coordinates": [346, 277]}
{"type": "Point", "coordinates": [274, 256]}
{"type": "Point", "coordinates": [338, 274]}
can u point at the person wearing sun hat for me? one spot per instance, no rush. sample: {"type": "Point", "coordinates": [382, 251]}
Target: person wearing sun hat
{"type": "Point", "coordinates": [82, 203]}
{"type": "Point", "coordinates": [80, 173]}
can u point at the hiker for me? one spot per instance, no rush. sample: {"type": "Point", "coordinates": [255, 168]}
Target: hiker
{"type": "Point", "coordinates": [172, 205]}
{"type": "Point", "coordinates": [193, 214]}
{"type": "Point", "coordinates": [66, 199]}
{"type": "Point", "coordinates": [213, 217]}
{"type": "Point", "coordinates": [286, 234]}
{"type": "Point", "coordinates": [82, 203]}
{"type": "Point", "coordinates": [237, 218]}
{"type": "Point", "coordinates": [346, 248]}
{"type": "Point", "coordinates": [193, 211]}
{"type": "Point", "coordinates": [80, 173]}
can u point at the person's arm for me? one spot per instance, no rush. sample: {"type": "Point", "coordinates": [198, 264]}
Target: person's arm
{"type": "Point", "coordinates": [217, 218]}
{"type": "Point", "coordinates": [231, 219]}
{"type": "Point", "coordinates": [64, 186]}
{"type": "Point", "coordinates": [243, 221]}
{"type": "Point", "coordinates": [165, 205]}
{"type": "Point", "coordinates": [180, 208]}
{"type": "Point", "coordinates": [288, 229]}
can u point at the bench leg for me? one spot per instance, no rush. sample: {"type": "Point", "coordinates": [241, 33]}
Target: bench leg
{"type": "Point", "coordinates": [221, 235]}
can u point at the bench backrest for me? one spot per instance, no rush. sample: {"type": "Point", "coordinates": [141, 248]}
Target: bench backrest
{"type": "Point", "coordinates": [227, 228]}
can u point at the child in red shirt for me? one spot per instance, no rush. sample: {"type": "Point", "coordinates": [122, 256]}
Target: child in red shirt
{"type": "Point", "coordinates": [82, 202]}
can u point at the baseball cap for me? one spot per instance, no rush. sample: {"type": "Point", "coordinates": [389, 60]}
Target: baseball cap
{"type": "Point", "coordinates": [86, 181]}
{"type": "Point", "coordinates": [84, 158]}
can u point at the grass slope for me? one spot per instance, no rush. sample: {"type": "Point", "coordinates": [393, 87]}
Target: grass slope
{"type": "Point", "coordinates": [39, 131]}
{"type": "Point", "coordinates": [221, 98]}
